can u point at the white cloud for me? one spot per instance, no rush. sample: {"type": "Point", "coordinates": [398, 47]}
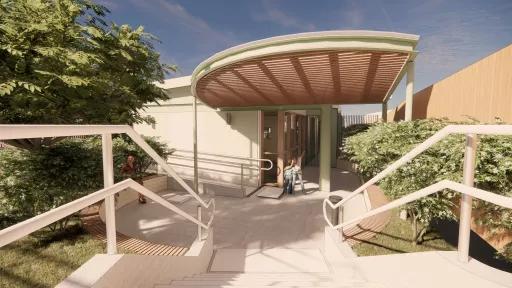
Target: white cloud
{"type": "Point", "coordinates": [386, 15]}
{"type": "Point", "coordinates": [352, 16]}
{"type": "Point", "coordinates": [274, 15]}
{"type": "Point", "coordinates": [199, 28]}
{"type": "Point", "coordinates": [452, 38]}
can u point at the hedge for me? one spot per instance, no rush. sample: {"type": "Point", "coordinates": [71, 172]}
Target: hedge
{"type": "Point", "coordinates": [383, 143]}
{"type": "Point", "coordinates": [34, 182]}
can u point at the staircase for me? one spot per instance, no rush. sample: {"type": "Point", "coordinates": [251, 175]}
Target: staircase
{"type": "Point", "coordinates": [274, 267]}
{"type": "Point", "coordinates": [264, 280]}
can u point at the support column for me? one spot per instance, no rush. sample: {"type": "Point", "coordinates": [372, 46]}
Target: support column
{"type": "Point", "coordinates": [333, 135]}
{"type": "Point", "coordinates": [108, 180]}
{"type": "Point", "coordinates": [309, 147]}
{"type": "Point", "coordinates": [287, 145]}
{"type": "Point", "coordinates": [466, 201]}
{"type": "Point", "coordinates": [194, 141]}
{"type": "Point", "coordinates": [261, 144]}
{"type": "Point", "coordinates": [325, 149]}
{"type": "Point", "coordinates": [298, 135]}
{"type": "Point", "coordinates": [384, 115]}
{"type": "Point", "coordinates": [409, 91]}
{"type": "Point", "coordinates": [280, 147]}
{"type": "Point", "coordinates": [317, 135]}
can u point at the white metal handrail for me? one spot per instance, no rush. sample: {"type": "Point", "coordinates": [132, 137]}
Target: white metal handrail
{"type": "Point", "coordinates": [240, 164]}
{"type": "Point", "coordinates": [438, 136]}
{"type": "Point", "coordinates": [210, 160]}
{"type": "Point", "coordinates": [145, 146]}
{"type": "Point", "coordinates": [9, 132]}
{"type": "Point", "coordinates": [434, 188]}
{"type": "Point", "coordinates": [467, 190]}
{"type": "Point", "coordinates": [28, 226]}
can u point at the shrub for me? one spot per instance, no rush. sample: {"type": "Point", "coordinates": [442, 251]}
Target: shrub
{"type": "Point", "coordinates": [382, 144]}
{"type": "Point", "coordinates": [506, 253]}
{"type": "Point", "coordinates": [34, 182]}
{"type": "Point", "coordinates": [355, 129]}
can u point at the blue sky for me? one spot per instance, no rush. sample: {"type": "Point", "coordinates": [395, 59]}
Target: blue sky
{"type": "Point", "coordinates": [454, 33]}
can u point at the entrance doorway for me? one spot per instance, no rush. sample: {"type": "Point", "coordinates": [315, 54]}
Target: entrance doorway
{"type": "Point", "coordinates": [269, 146]}
{"type": "Point", "coordinates": [288, 135]}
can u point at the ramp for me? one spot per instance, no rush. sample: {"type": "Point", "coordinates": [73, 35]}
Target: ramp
{"type": "Point", "coordinates": [270, 192]}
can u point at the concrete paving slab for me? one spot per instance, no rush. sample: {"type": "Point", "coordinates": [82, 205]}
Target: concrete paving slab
{"type": "Point", "coordinates": [429, 269]}
{"type": "Point", "coordinates": [270, 192]}
{"type": "Point", "coordinates": [269, 261]}
{"type": "Point", "coordinates": [90, 272]}
{"type": "Point", "coordinates": [293, 221]}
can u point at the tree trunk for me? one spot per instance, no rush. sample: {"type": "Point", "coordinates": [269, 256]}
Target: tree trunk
{"type": "Point", "coordinates": [422, 233]}
{"type": "Point", "coordinates": [414, 228]}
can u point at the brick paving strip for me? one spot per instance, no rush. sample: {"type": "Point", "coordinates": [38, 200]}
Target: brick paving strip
{"type": "Point", "coordinates": [93, 224]}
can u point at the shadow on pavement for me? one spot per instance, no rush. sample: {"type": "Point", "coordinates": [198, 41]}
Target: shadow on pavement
{"type": "Point", "coordinates": [479, 249]}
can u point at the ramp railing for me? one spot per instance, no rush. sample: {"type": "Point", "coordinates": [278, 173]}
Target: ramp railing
{"type": "Point", "coordinates": [9, 132]}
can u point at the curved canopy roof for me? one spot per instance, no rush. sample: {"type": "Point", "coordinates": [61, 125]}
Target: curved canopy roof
{"type": "Point", "coordinates": [332, 67]}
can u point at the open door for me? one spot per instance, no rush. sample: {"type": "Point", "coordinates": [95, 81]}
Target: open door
{"type": "Point", "coordinates": [269, 147]}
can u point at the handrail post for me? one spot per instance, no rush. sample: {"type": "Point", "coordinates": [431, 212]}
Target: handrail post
{"type": "Point", "coordinates": [242, 179]}
{"type": "Point", "coordinates": [337, 213]}
{"type": "Point", "coordinates": [194, 132]}
{"type": "Point", "coordinates": [466, 201]}
{"type": "Point", "coordinates": [108, 180]}
{"type": "Point", "coordinates": [342, 236]}
{"type": "Point", "coordinates": [199, 228]}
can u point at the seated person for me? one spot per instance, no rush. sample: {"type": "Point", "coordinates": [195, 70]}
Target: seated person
{"type": "Point", "coordinates": [288, 177]}
{"type": "Point", "coordinates": [297, 174]}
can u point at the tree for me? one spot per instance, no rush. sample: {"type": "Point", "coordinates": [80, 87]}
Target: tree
{"type": "Point", "coordinates": [61, 63]}
{"type": "Point", "coordinates": [384, 143]}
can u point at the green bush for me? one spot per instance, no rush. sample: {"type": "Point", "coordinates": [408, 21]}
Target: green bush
{"type": "Point", "coordinates": [34, 182]}
{"type": "Point", "coordinates": [506, 253]}
{"type": "Point", "coordinates": [382, 144]}
{"type": "Point", "coordinates": [355, 129]}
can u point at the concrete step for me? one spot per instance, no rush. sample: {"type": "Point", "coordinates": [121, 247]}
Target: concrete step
{"type": "Point", "coordinates": [275, 260]}
{"type": "Point", "coordinates": [253, 282]}
{"type": "Point", "coordinates": [334, 285]}
{"type": "Point", "coordinates": [266, 280]}
{"type": "Point", "coordinates": [277, 276]}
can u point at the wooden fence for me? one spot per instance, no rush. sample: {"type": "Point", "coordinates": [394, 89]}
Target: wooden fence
{"type": "Point", "coordinates": [348, 120]}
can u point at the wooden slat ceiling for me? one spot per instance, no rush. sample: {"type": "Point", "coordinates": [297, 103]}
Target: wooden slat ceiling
{"type": "Point", "coordinates": [320, 77]}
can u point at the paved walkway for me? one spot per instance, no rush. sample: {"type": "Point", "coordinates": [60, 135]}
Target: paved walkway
{"type": "Point", "coordinates": [370, 226]}
{"type": "Point", "coordinates": [96, 227]}
{"type": "Point", "coordinates": [254, 223]}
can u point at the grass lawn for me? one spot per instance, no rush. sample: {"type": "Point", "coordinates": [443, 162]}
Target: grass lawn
{"type": "Point", "coordinates": [45, 261]}
{"type": "Point", "coordinates": [396, 238]}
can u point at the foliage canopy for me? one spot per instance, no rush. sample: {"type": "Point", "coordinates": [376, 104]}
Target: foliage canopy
{"type": "Point", "coordinates": [62, 63]}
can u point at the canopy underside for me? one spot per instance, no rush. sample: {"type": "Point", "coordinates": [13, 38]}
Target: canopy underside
{"type": "Point", "coordinates": [305, 77]}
